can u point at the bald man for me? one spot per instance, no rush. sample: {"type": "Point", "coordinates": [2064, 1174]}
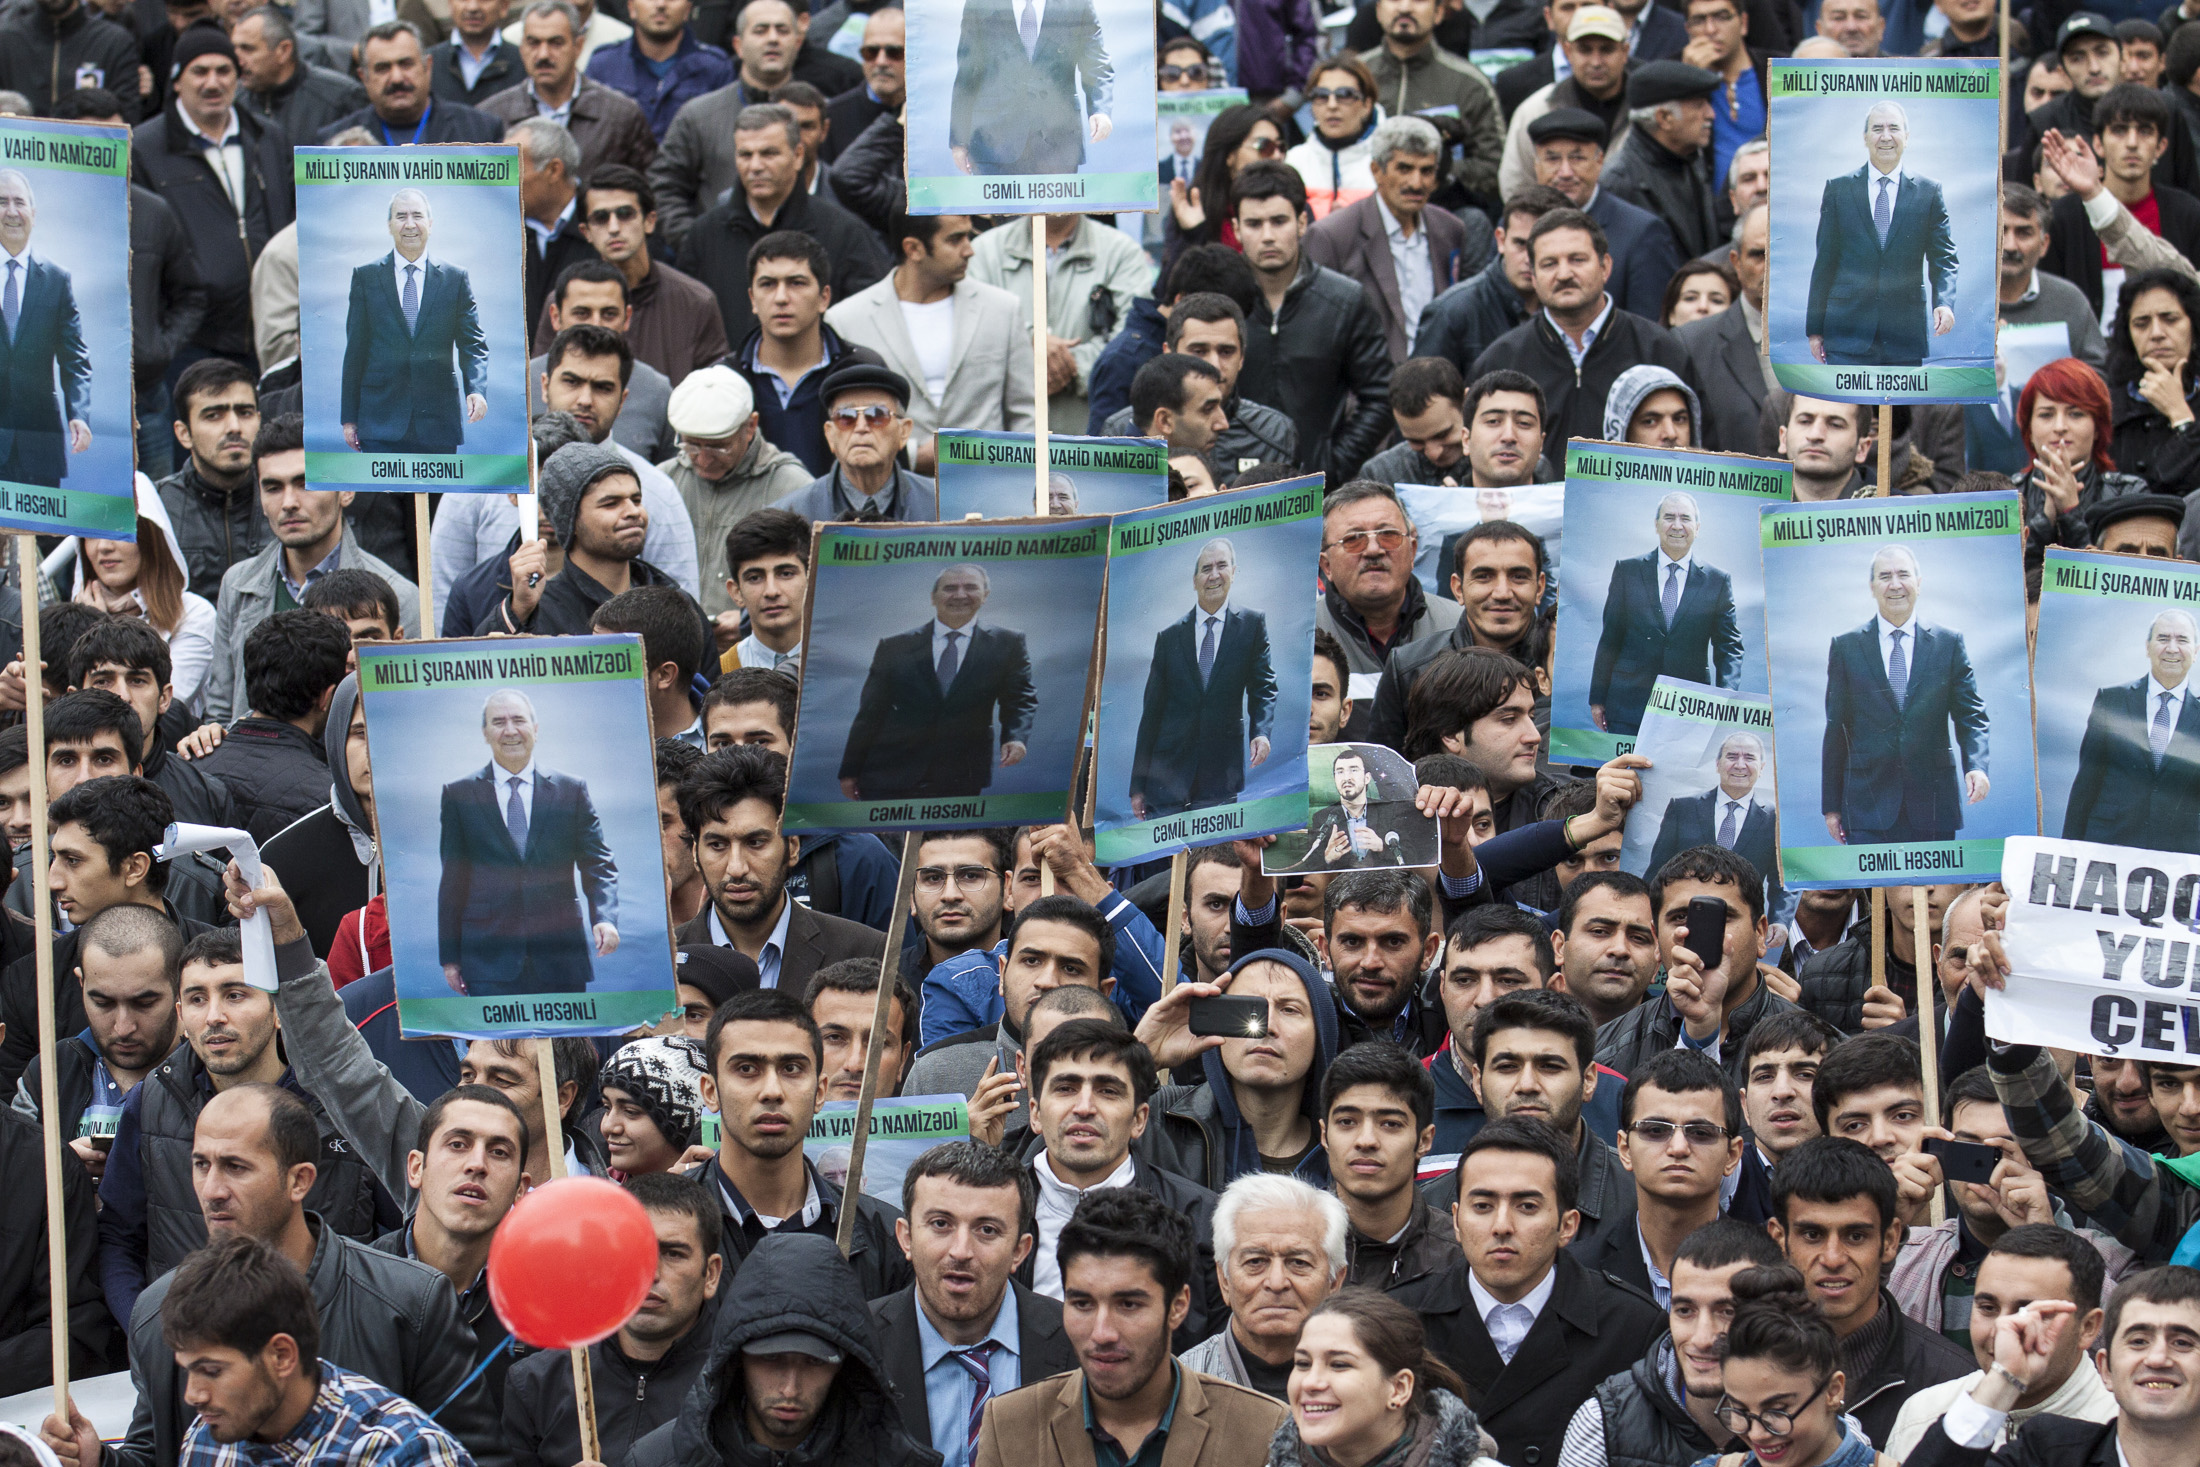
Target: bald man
{"type": "Point", "coordinates": [1885, 272]}
{"type": "Point", "coordinates": [1666, 614]}
{"type": "Point", "coordinates": [416, 362]}
{"type": "Point", "coordinates": [2138, 778]}
{"type": "Point", "coordinates": [1210, 679]}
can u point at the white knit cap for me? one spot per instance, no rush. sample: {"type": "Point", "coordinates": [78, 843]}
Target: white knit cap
{"type": "Point", "coordinates": [713, 403]}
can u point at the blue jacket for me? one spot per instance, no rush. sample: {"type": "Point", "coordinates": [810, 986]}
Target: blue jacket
{"type": "Point", "coordinates": [696, 69]}
{"type": "Point", "coordinates": [798, 423]}
{"type": "Point", "coordinates": [964, 992]}
{"type": "Point", "coordinates": [1459, 1112]}
{"type": "Point", "coordinates": [427, 1067]}
{"type": "Point", "coordinates": [867, 872]}
{"type": "Point", "coordinates": [1108, 384]}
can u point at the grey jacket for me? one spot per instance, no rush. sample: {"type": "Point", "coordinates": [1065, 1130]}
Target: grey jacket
{"type": "Point", "coordinates": [641, 424]}
{"type": "Point", "coordinates": [764, 476]}
{"type": "Point", "coordinates": [248, 598]}
{"type": "Point", "coordinates": [1432, 618]}
{"type": "Point", "coordinates": [694, 162]}
{"type": "Point", "coordinates": [1098, 263]}
{"type": "Point", "coordinates": [387, 1318]}
{"type": "Point", "coordinates": [825, 498]}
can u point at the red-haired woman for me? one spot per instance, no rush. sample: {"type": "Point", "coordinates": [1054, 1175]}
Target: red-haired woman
{"type": "Point", "coordinates": [2064, 419]}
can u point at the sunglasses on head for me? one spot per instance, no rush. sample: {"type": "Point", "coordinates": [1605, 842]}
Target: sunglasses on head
{"type": "Point", "coordinates": [624, 213]}
{"type": "Point", "coordinates": [876, 416]}
{"type": "Point", "coordinates": [1196, 72]}
{"type": "Point", "coordinates": [872, 53]}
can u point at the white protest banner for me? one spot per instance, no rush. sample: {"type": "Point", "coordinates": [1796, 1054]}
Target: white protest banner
{"type": "Point", "coordinates": [2102, 942]}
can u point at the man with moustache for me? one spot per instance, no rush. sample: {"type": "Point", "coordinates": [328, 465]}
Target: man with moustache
{"type": "Point", "coordinates": [1666, 614]}
{"type": "Point", "coordinates": [2138, 780]}
{"type": "Point", "coordinates": [1210, 677]}
{"type": "Point", "coordinates": [401, 107]}
{"type": "Point", "coordinates": [1605, 943]}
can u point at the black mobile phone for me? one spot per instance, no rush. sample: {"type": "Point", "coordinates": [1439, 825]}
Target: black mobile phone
{"type": "Point", "coordinates": [1964, 1161]}
{"type": "Point", "coordinates": [1706, 923]}
{"type": "Point", "coordinates": [1231, 1018]}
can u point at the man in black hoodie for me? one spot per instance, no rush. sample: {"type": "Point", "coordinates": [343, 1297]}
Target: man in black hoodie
{"type": "Point", "coordinates": [793, 1377]}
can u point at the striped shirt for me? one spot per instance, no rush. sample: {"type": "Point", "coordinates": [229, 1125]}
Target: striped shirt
{"type": "Point", "coordinates": [352, 1423]}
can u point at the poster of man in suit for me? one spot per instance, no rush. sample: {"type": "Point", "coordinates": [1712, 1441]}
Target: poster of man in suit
{"type": "Point", "coordinates": [1709, 782]}
{"type": "Point", "coordinates": [1363, 815]}
{"type": "Point", "coordinates": [946, 678]}
{"type": "Point", "coordinates": [1901, 697]}
{"type": "Point", "coordinates": [516, 811]}
{"type": "Point", "coordinates": [66, 446]}
{"type": "Point", "coordinates": [413, 350]}
{"type": "Point", "coordinates": [1663, 581]}
{"type": "Point", "coordinates": [1884, 218]}
{"type": "Point", "coordinates": [2119, 719]}
{"type": "Point", "coordinates": [988, 474]}
{"type": "Point", "coordinates": [1205, 698]}
{"type": "Point", "coordinates": [1031, 107]}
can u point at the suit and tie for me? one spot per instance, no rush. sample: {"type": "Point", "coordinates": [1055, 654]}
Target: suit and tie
{"type": "Point", "coordinates": [1888, 767]}
{"type": "Point", "coordinates": [1018, 67]}
{"type": "Point", "coordinates": [1990, 441]}
{"type": "Point", "coordinates": [1886, 259]}
{"type": "Point", "coordinates": [2138, 778]}
{"type": "Point", "coordinates": [924, 724]}
{"type": "Point", "coordinates": [1042, 1350]}
{"type": "Point", "coordinates": [1663, 619]}
{"type": "Point", "coordinates": [1211, 672]}
{"type": "Point", "coordinates": [45, 371]}
{"type": "Point", "coordinates": [506, 910]}
{"type": "Point", "coordinates": [1746, 827]}
{"type": "Point", "coordinates": [400, 386]}
{"type": "Point", "coordinates": [1407, 838]}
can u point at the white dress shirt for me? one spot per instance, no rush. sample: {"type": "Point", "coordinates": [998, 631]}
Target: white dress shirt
{"type": "Point", "coordinates": [1872, 175]}
{"type": "Point", "coordinates": [541, 233]}
{"type": "Point", "coordinates": [1056, 1201]}
{"type": "Point", "coordinates": [964, 634]}
{"type": "Point", "coordinates": [227, 159]}
{"type": "Point", "coordinates": [1588, 337]}
{"type": "Point", "coordinates": [1509, 1324]}
{"type": "Point", "coordinates": [420, 279]}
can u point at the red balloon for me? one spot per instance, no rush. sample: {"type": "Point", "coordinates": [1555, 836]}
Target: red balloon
{"type": "Point", "coordinates": [571, 1262]}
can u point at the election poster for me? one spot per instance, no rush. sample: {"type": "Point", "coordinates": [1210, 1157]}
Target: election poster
{"type": "Point", "coordinates": [1362, 815]}
{"type": "Point", "coordinates": [1184, 120]}
{"type": "Point", "coordinates": [903, 1128]}
{"type": "Point", "coordinates": [415, 351]}
{"type": "Point", "coordinates": [1901, 702]}
{"type": "Point", "coordinates": [1666, 582]}
{"type": "Point", "coordinates": [1205, 695]}
{"type": "Point", "coordinates": [69, 459]}
{"type": "Point", "coordinates": [515, 793]}
{"type": "Point", "coordinates": [1021, 109]}
{"type": "Point", "coordinates": [989, 475]}
{"type": "Point", "coordinates": [1885, 219]}
{"type": "Point", "coordinates": [2118, 729]}
{"type": "Point", "coordinates": [946, 675]}
{"type": "Point", "coordinates": [1710, 781]}
{"type": "Point", "coordinates": [2102, 950]}
{"type": "Point", "coordinates": [1441, 513]}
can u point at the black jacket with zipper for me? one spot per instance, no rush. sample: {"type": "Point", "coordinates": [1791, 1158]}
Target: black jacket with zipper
{"type": "Point", "coordinates": [1324, 360]}
{"type": "Point", "coordinates": [1574, 395]}
{"type": "Point", "coordinates": [881, 1267]}
{"type": "Point", "coordinates": [167, 298]}
{"type": "Point", "coordinates": [1427, 1246]}
{"type": "Point", "coordinates": [633, 1397]}
{"type": "Point", "coordinates": [226, 240]}
{"type": "Point", "coordinates": [215, 528]}
{"type": "Point", "coordinates": [41, 56]}
{"type": "Point", "coordinates": [1643, 1425]}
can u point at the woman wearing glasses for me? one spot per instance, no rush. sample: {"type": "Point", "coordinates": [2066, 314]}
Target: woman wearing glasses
{"type": "Point", "coordinates": [1334, 161]}
{"type": "Point", "coordinates": [1200, 213]}
{"type": "Point", "coordinates": [1783, 1388]}
{"type": "Point", "coordinates": [1364, 1390]}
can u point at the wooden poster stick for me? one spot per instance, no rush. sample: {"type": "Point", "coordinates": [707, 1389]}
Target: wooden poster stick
{"type": "Point", "coordinates": [1039, 364]}
{"type": "Point", "coordinates": [1879, 937]}
{"type": "Point", "coordinates": [49, 1093]}
{"type": "Point", "coordinates": [882, 1013]}
{"type": "Point", "coordinates": [1928, 1022]}
{"type": "Point", "coordinates": [1172, 944]}
{"type": "Point", "coordinates": [546, 1072]}
{"type": "Point", "coordinates": [1886, 450]}
{"type": "Point", "coordinates": [420, 554]}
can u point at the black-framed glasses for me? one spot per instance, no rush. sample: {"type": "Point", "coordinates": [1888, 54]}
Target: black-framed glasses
{"type": "Point", "coordinates": [966, 878]}
{"type": "Point", "coordinates": [872, 53]}
{"type": "Point", "coordinates": [875, 415]}
{"type": "Point", "coordinates": [1702, 1135]}
{"type": "Point", "coordinates": [1775, 1423]}
{"type": "Point", "coordinates": [1347, 95]}
{"type": "Point", "coordinates": [1196, 73]}
{"type": "Point", "coordinates": [624, 213]}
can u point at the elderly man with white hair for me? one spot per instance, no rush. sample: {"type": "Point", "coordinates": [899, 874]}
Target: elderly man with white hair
{"type": "Point", "coordinates": [1406, 252]}
{"type": "Point", "coordinates": [1279, 1251]}
{"type": "Point", "coordinates": [725, 469]}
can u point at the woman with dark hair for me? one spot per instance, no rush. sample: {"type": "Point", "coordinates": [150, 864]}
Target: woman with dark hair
{"type": "Point", "coordinates": [1366, 1392]}
{"type": "Point", "coordinates": [1238, 136]}
{"type": "Point", "coordinates": [2150, 376]}
{"type": "Point", "coordinates": [2063, 417]}
{"type": "Point", "coordinates": [1334, 161]}
{"type": "Point", "coordinates": [1698, 289]}
{"type": "Point", "coordinates": [1782, 1385]}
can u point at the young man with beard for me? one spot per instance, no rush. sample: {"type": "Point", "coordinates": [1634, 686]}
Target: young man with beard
{"type": "Point", "coordinates": [841, 998]}
{"type": "Point", "coordinates": [1605, 942]}
{"type": "Point", "coordinates": [1680, 1123]}
{"type": "Point", "coordinates": [211, 500]}
{"type": "Point", "coordinates": [1378, 937]}
{"type": "Point", "coordinates": [1498, 578]}
{"type": "Point", "coordinates": [1660, 1409]}
{"type": "Point", "coordinates": [961, 899]}
{"type": "Point", "coordinates": [642, 1373]}
{"type": "Point", "coordinates": [1378, 1112]}
{"type": "Point", "coordinates": [966, 1228]}
{"type": "Point", "coordinates": [1779, 1067]}
{"type": "Point", "coordinates": [2122, 1102]}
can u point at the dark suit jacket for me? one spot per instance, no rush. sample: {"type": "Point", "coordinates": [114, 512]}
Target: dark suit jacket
{"type": "Point", "coordinates": [1644, 254]}
{"type": "Point", "coordinates": [499, 907]}
{"type": "Point", "coordinates": [2119, 798]}
{"type": "Point", "coordinates": [1861, 292]}
{"type": "Point", "coordinates": [1386, 818]}
{"type": "Point", "coordinates": [1018, 113]}
{"type": "Point", "coordinates": [1693, 820]}
{"type": "Point", "coordinates": [1729, 379]}
{"type": "Point", "coordinates": [1592, 1326]}
{"type": "Point", "coordinates": [910, 738]}
{"type": "Point", "coordinates": [1353, 241]}
{"type": "Point", "coordinates": [1704, 644]}
{"type": "Point", "coordinates": [48, 346]}
{"type": "Point", "coordinates": [449, 85]}
{"type": "Point", "coordinates": [1879, 759]}
{"type": "Point", "coordinates": [1987, 445]}
{"type": "Point", "coordinates": [402, 386]}
{"type": "Point", "coordinates": [1192, 739]}
{"type": "Point", "coordinates": [814, 940]}
{"type": "Point", "coordinates": [1041, 1349]}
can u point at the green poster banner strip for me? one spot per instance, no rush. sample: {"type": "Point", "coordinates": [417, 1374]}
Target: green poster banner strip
{"type": "Point", "coordinates": [1165, 525]}
{"type": "Point", "coordinates": [479, 664]}
{"type": "Point", "coordinates": [1723, 710]}
{"type": "Point", "coordinates": [535, 1013]}
{"type": "Point", "coordinates": [493, 165]}
{"type": "Point", "coordinates": [68, 511]}
{"type": "Point", "coordinates": [1959, 861]}
{"type": "Point", "coordinates": [1167, 835]}
{"type": "Point", "coordinates": [1200, 104]}
{"type": "Point", "coordinates": [1957, 79]}
{"type": "Point", "coordinates": [1587, 745]}
{"type": "Point", "coordinates": [850, 545]}
{"type": "Point", "coordinates": [1865, 519]}
{"type": "Point", "coordinates": [1665, 469]}
{"type": "Point", "coordinates": [410, 473]}
{"type": "Point", "coordinates": [63, 147]}
{"type": "Point", "coordinates": [1014, 451]}
{"type": "Point", "coordinates": [1887, 384]}
{"type": "Point", "coordinates": [1048, 193]}
{"type": "Point", "coordinates": [2118, 578]}
{"type": "Point", "coordinates": [976, 811]}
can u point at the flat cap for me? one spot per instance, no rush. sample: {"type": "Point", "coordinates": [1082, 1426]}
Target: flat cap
{"type": "Point", "coordinates": [1570, 124]}
{"type": "Point", "coordinates": [1669, 81]}
{"type": "Point", "coordinates": [859, 376]}
{"type": "Point", "coordinates": [2108, 512]}
{"type": "Point", "coordinates": [715, 402]}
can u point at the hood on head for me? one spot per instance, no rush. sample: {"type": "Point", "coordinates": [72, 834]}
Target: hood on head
{"type": "Point", "coordinates": [1324, 1008]}
{"type": "Point", "coordinates": [1637, 383]}
{"type": "Point", "coordinates": [349, 807]}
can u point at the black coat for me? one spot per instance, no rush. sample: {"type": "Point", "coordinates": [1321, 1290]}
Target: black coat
{"type": "Point", "coordinates": [322, 871]}
{"type": "Point", "coordinates": [1590, 1327]}
{"type": "Point", "coordinates": [1460, 323]}
{"type": "Point", "coordinates": [446, 122]}
{"type": "Point", "coordinates": [1636, 647]}
{"type": "Point", "coordinates": [26, 1316]}
{"type": "Point", "coordinates": [2145, 444]}
{"type": "Point", "coordinates": [1325, 360]}
{"type": "Point", "coordinates": [911, 738]}
{"type": "Point", "coordinates": [215, 528]}
{"type": "Point", "coordinates": [1198, 1206]}
{"type": "Point", "coordinates": [881, 1267]}
{"type": "Point", "coordinates": [814, 940]}
{"type": "Point", "coordinates": [2121, 796]}
{"type": "Point", "coordinates": [313, 98]}
{"type": "Point", "coordinates": [848, 115]}
{"type": "Point", "coordinates": [1042, 1349]}
{"type": "Point", "coordinates": [716, 251]}
{"type": "Point", "coordinates": [42, 57]}
{"type": "Point", "coordinates": [1574, 396]}
{"type": "Point", "coordinates": [19, 998]}
{"type": "Point", "coordinates": [2074, 250]}
{"type": "Point", "coordinates": [2046, 1441]}
{"type": "Point", "coordinates": [1833, 980]}
{"type": "Point", "coordinates": [1888, 766]}
{"type": "Point", "coordinates": [276, 772]}
{"type": "Point", "coordinates": [1730, 379]}
{"type": "Point", "coordinates": [1914, 1358]}
{"type": "Point", "coordinates": [504, 71]}
{"type": "Point", "coordinates": [167, 298]}
{"type": "Point", "coordinates": [1678, 190]}
{"type": "Point", "coordinates": [163, 159]}
{"type": "Point", "coordinates": [1192, 732]}
{"type": "Point", "coordinates": [633, 1397]}
{"type": "Point", "coordinates": [1644, 256]}
{"type": "Point", "coordinates": [1015, 112]}
{"type": "Point", "coordinates": [1643, 1425]}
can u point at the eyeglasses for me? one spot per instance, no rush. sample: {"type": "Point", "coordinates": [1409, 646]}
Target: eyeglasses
{"type": "Point", "coordinates": [1347, 95]}
{"type": "Point", "coordinates": [967, 878]}
{"type": "Point", "coordinates": [624, 213]}
{"type": "Point", "coordinates": [1701, 1134]}
{"type": "Point", "coordinates": [694, 446]}
{"type": "Point", "coordinates": [1193, 73]}
{"type": "Point", "coordinates": [1358, 542]}
{"type": "Point", "coordinates": [872, 53]}
{"type": "Point", "coordinates": [874, 416]}
{"type": "Point", "coordinates": [1264, 147]}
{"type": "Point", "coordinates": [1775, 1423]}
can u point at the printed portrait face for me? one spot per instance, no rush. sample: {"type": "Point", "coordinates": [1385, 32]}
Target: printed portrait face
{"type": "Point", "coordinates": [1350, 773]}
{"type": "Point", "coordinates": [1895, 583]}
{"type": "Point", "coordinates": [1886, 134]}
{"type": "Point", "coordinates": [1741, 762]}
{"type": "Point", "coordinates": [508, 727]}
{"type": "Point", "coordinates": [1216, 569]}
{"type": "Point", "coordinates": [1677, 522]}
{"type": "Point", "coordinates": [18, 211]}
{"type": "Point", "coordinates": [410, 222]}
{"type": "Point", "coordinates": [1061, 494]}
{"type": "Point", "coordinates": [2170, 648]}
{"type": "Point", "coordinates": [959, 593]}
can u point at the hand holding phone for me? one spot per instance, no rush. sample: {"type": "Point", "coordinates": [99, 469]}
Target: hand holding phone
{"type": "Point", "coordinates": [1964, 1161]}
{"type": "Point", "coordinates": [1229, 1018]}
{"type": "Point", "coordinates": [1706, 923]}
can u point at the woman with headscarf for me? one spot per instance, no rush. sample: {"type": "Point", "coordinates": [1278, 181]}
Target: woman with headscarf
{"type": "Point", "coordinates": [2064, 420]}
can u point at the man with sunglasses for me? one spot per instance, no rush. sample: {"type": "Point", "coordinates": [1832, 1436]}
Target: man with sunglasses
{"type": "Point", "coordinates": [866, 425]}
{"type": "Point", "coordinates": [1186, 67]}
{"type": "Point", "coordinates": [1374, 604]}
{"type": "Point", "coordinates": [1680, 1137]}
{"type": "Point", "coordinates": [672, 321]}
{"type": "Point", "coordinates": [885, 81]}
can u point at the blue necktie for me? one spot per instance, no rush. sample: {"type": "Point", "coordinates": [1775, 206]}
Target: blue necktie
{"type": "Point", "coordinates": [412, 297]}
{"type": "Point", "coordinates": [1207, 653]}
{"type": "Point", "coordinates": [1672, 601]}
{"type": "Point", "coordinates": [978, 1360]}
{"type": "Point", "coordinates": [1898, 671]}
{"type": "Point", "coordinates": [515, 816]}
{"type": "Point", "coordinates": [950, 662]}
{"type": "Point", "coordinates": [1883, 211]}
